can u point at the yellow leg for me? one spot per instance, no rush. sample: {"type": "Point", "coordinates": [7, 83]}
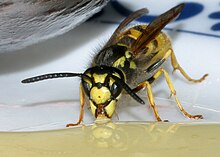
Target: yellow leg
{"type": "Point", "coordinates": [173, 92]}
{"type": "Point", "coordinates": [147, 85]}
{"type": "Point", "coordinates": [176, 66]}
{"type": "Point", "coordinates": [82, 102]}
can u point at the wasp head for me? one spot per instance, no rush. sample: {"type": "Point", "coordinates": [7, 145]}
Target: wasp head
{"type": "Point", "coordinates": [103, 85]}
{"type": "Point", "coordinates": [103, 90]}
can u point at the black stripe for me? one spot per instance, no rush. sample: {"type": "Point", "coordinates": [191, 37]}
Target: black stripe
{"type": "Point", "coordinates": [139, 28]}
{"type": "Point", "coordinates": [155, 65]}
{"type": "Point", "coordinates": [127, 40]}
{"type": "Point", "coordinates": [151, 80]}
{"type": "Point", "coordinates": [155, 43]}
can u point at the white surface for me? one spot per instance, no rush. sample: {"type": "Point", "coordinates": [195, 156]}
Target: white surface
{"type": "Point", "coordinates": [54, 103]}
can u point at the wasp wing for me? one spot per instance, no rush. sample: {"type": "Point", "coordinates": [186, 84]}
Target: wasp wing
{"type": "Point", "coordinates": [114, 38]}
{"type": "Point", "coordinates": [154, 28]}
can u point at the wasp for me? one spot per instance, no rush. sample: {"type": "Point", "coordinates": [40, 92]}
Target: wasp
{"type": "Point", "coordinates": [130, 61]}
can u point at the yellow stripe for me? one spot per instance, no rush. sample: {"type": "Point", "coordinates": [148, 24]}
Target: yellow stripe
{"type": "Point", "coordinates": [134, 33]}
{"type": "Point", "coordinates": [121, 44]}
{"type": "Point", "coordinates": [99, 78]}
{"type": "Point", "coordinates": [119, 62]}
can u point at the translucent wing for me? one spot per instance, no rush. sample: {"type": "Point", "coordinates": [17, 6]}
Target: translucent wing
{"type": "Point", "coordinates": [154, 28]}
{"type": "Point", "coordinates": [123, 24]}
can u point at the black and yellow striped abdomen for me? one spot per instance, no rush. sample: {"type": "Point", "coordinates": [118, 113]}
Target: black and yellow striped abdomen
{"type": "Point", "coordinates": [154, 51]}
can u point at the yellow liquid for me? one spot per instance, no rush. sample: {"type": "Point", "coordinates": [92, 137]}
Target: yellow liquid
{"type": "Point", "coordinates": [116, 140]}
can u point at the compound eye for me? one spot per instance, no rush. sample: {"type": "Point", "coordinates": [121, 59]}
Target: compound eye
{"type": "Point", "coordinates": [115, 89]}
{"type": "Point", "coordinates": [86, 87]}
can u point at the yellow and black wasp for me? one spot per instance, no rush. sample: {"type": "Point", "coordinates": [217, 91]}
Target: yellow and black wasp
{"type": "Point", "coordinates": [129, 62]}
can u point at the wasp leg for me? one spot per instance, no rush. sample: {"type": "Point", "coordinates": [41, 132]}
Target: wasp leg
{"type": "Point", "coordinates": [176, 66]}
{"type": "Point", "coordinates": [171, 87]}
{"type": "Point", "coordinates": [82, 102]}
{"type": "Point", "coordinates": [147, 85]}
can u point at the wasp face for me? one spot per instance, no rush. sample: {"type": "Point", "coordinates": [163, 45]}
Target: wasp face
{"type": "Point", "coordinates": [102, 89]}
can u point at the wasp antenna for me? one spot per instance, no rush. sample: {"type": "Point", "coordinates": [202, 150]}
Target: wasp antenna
{"type": "Point", "coordinates": [128, 89]}
{"type": "Point", "coordinates": [50, 76]}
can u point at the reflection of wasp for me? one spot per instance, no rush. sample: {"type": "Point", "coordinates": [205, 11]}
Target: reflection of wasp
{"type": "Point", "coordinates": [132, 58]}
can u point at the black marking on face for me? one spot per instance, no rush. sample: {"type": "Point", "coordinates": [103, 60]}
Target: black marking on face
{"type": "Point", "coordinates": [115, 89]}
